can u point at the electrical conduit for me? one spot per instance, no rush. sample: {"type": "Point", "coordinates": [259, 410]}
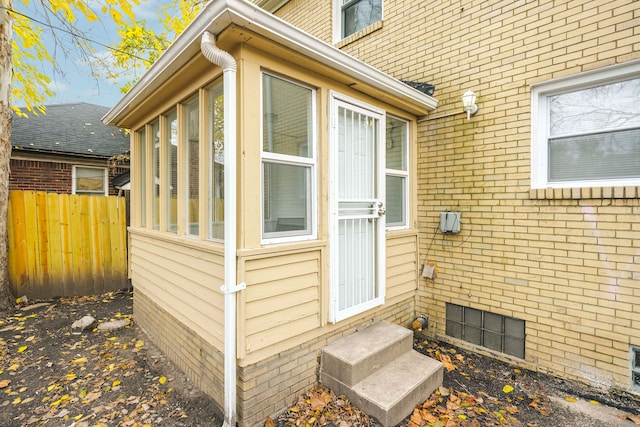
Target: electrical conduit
{"type": "Point", "coordinates": [228, 64]}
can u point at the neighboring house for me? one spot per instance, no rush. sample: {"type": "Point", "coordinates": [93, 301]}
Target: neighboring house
{"type": "Point", "coordinates": [66, 150]}
{"type": "Point", "coordinates": [545, 270]}
{"type": "Point", "coordinates": [271, 173]}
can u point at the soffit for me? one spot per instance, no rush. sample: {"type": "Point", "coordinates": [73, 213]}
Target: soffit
{"type": "Point", "coordinates": [249, 20]}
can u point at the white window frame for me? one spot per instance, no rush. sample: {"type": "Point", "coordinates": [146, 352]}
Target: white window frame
{"type": "Point", "coordinates": [540, 121]}
{"type": "Point", "coordinates": [283, 159]}
{"type": "Point", "coordinates": [105, 189]}
{"type": "Point", "coordinates": [337, 18]}
{"type": "Point", "coordinates": [402, 174]}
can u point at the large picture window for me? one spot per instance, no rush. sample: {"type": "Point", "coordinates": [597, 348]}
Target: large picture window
{"type": "Point", "coordinates": [397, 172]}
{"type": "Point", "coordinates": [288, 159]}
{"type": "Point", "coordinates": [352, 16]}
{"type": "Point", "coordinates": [586, 130]}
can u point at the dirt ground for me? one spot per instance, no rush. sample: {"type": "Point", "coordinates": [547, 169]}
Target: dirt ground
{"type": "Point", "coordinates": [51, 376]}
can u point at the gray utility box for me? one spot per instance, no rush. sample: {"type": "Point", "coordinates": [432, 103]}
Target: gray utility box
{"type": "Point", "coordinates": [450, 222]}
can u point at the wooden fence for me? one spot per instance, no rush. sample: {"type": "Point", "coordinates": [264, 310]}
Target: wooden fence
{"type": "Point", "coordinates": [64, 245]}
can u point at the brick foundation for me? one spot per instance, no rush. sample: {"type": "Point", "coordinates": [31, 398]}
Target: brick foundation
{"type": "Point", "coordinates": [264, 389]}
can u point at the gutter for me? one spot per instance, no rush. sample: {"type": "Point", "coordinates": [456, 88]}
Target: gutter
{"type": "Point", "coordinates": [221, 14]}
{"type": "Point", "coordinates": [228, 64]}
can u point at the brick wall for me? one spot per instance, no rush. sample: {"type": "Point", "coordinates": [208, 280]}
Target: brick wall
{"type": "Point", "coordinates": [264, 389]}
{"type": "Point", "coordinates": [199, 360]}
{"type": "Point", "coordinates": [566, 261]}
{"type": "Point", "coordinates": [48, 176]}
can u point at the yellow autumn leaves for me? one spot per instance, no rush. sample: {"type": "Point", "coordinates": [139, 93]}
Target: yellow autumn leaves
{"type": "Point", "coordinates": [30, 85]}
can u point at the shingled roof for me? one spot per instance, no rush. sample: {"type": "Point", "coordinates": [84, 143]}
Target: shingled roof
{"type": "Point", "coordinates": [71, 129]}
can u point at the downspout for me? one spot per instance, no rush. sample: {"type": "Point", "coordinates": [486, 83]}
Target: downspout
{"type": "Point", "coordinates": [230, 287]}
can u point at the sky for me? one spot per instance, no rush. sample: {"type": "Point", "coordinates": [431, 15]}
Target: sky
{"type": "Point", "coordinates": [77, 84]}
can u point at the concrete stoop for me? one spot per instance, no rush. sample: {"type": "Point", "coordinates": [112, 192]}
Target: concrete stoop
{"type": "Point", "coordinates": [378, 370]}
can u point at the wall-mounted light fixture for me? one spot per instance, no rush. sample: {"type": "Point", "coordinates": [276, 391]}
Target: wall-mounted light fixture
{"type": "Point", "coordinates": [469, 103]}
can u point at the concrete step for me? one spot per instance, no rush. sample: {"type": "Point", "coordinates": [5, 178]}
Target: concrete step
{"type": "Point", "coordinates": [352, 358]}
{"type": "Point", "coordinates": [379, 373]}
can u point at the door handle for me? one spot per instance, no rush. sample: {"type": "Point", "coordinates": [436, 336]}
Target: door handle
{"type": "Point", "coordinates": [381, 209]}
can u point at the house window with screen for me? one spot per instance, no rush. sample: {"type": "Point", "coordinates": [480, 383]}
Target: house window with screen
{"type": "Point", "coordinates": [141, 141]}
{"type": "Point", "coordinates": [288, 159]}
{"type": "Point", "coordinates": [586, 130]}
{"type": "Point", "coordinates": [170, 143]}
{"type": "Point", "coordinates": [216, 162]}
{"type": "Point", "coordinates": [352, 16]}
{"type": "Point", "coordinates": [155, 175]}
{"type": "Point", "coordinates": [90, 180]}
{"type": "Point", "coordinates": [191, 129]}
{"type": "Point", "coordinates": [397, 172]}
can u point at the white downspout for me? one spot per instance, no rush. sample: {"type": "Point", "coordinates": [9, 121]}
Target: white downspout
{"type": "Point", "coordinates": [230, 287]}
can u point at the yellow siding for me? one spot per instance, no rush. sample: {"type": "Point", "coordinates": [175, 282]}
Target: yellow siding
{"type": "Point", "coordinates": [402, 265]}
{"type": "Point", "coordinates": [62, 245]}
{"type": "Point", "coordinates": [182, 277]}
{"type": "Point", "coordinates": [282, 298]}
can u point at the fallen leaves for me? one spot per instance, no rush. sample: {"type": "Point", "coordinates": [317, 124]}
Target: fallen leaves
{"type": "Point", "coordinates": [96, 378]}
{"type": "Point", "coordinates": [319, 406]}
{"type": "Point", "coordinates": [630, 417]}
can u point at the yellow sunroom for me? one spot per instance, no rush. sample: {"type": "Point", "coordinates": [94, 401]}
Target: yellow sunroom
{"type": "Point", "coordinates": [273, 203]}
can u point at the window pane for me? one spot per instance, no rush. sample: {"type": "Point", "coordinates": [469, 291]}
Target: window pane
{"type": "Point", "coordinates": [596, 156]}
{"type": "Point", "coordinates": [286, 193]}
{"type": "Point", "coordinates": [599, 108]}
{"type": "Point", "coordinates": [216, 163]}
{"type": "Point", "coordinates": [286, 127]}
{"type": "Point", "coordinates": [473, 317]}
{"type": "Point", "coordinates": [493, 322]}
{"type": "Point", "coordinates": [172, 169]}
{"type": "Point", "coordinates": [514, 346]}
{"type": "Point", "coordinates": [396, 196]}
{"type": "Point", "coordinates": [155, 172]}
{"type": "Point", "coordinates": [90, 180]}
{"type": "Point", "coordinates": [357, 15]}
{"type": "Point", "coordinates": [192, 136]}
{"type": "Point", "coordinates": [454, 312]}
{"type": "Point", "coordinates": [142, 187]}
{"type": "Point", "coordinates": [396, 144]}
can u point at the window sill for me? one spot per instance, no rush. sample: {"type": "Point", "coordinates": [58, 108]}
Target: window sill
{"type": "Point", "coordinates": [355, 36]}
{"type": "Point", "coordinates": [585, 193]}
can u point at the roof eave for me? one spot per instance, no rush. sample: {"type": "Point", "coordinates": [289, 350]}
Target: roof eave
{"type": "Point", "coordinates": [218, 15]}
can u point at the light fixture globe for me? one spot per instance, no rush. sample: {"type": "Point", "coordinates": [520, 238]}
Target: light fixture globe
{"type": "Point", "coordinates": [469, 103]}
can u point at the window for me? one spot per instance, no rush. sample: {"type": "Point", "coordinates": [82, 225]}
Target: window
{"type": "Point", "coordinates": [191, 129]}
{"type": "Point", "coordinates": [397, 172]}
{"type": "Point", "coordinates": [496, 332]}
{"type": "Point", "coordinates": [288, 159]}
{"type": "Point", "coordinates": [170, 144]}
{"type": "Point", "coordinates": [155, 174]}
{"type": "Point", "coordinates": [141, 163]}
{"type": "Point", "coordinates": [586, 129]}
{"type": "Point", "coordinates": [352, 16]}
{"type": "Point", "coordinates": [90, 180]}
{"type": "Point", "coordinates": [635, 368]}
{"type": "Point", "coordinates": [216, 163]}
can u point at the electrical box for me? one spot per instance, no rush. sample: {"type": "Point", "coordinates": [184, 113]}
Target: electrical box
{"type": "Point", "coordinates": [450, 222]}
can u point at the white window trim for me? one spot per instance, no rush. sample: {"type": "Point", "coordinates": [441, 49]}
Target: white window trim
{"type": "Point", "coordinates": [540, 120]}
{"type": "Point", "coordinates": [404, 174]}
{"type": "Point", "coordinates": [277, 158]}
{"type": "Point", "coordinates": [105, 191]}
{"type": "Point", "coordinates": [337, 20]}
